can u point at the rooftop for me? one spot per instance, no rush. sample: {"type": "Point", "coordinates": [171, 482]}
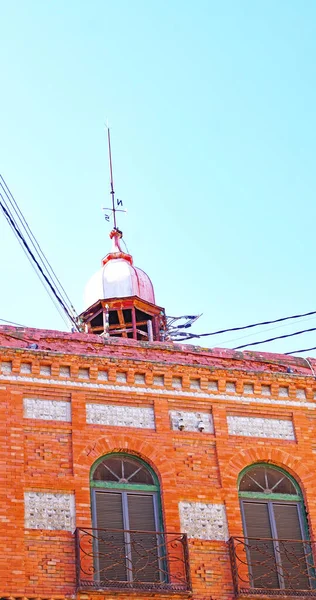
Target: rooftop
{"type": "Point", "coordinates": [45, 341]}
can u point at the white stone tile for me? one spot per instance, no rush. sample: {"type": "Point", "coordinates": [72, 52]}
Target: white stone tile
{"type": "Point", "coordinates": [283, 391]}
{"type": "Point", "coordinates": [45, 370]}
{"type": "Point", "coordinates": [191, 420]}
{"type": "Point", "coordinates": [204, 521]}
{"type": "Point", "coordinates": [120, 416]}
{"type": "Point", "coordinates": [103, 375]}
{"type": "Point", "coordinates": [266, 390]}
{"type": "Point", "coordinates": [64, 371]}
{"type": "Point", "coordinates": [230, 386]}
{"type": "Point", "coordinates": [195, 384]}
{"type": "Point", "coordinates": [261, 427]}
{"type": "Point", "coordinates": [84, 373]}
{"type": "Point", "coordinates": [6, 366]}
{"type": "Point", "coordinates": [121, 376]}
{"type": "Point", "coordinates": [248, 388]}
{"type": "Point", "coordinates": [177, 382]}
{"type": "Point", "coordinates": [49, 510]}
{"type": "Point", "coordinates": [49, 410]}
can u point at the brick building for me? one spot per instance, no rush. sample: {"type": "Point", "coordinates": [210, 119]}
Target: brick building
{"type": "Point", "coordinates": [133, 467]}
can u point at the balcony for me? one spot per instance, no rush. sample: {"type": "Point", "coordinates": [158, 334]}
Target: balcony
{"type": "Point", "coordinates": [273, 567]}
{"type": "Point", "coordinates": [113, 559]}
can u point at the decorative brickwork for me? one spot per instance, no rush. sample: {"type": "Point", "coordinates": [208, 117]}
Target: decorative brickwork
{"type": "Point", "coordinates": [248, 388]}
{"type": "Point", "coordinates": [261, 427]}
{"type": "Point", "coordinates": [48, 452]}
{"type": "Point", "coordinates": [49, 457]}
{"type": "Point", "coordinates": [48, 510]}
{"type": "Point", "coordinates": [203, 521]}
{"type": "Point", "coordinates": [120, 416]}
{"type": "Point", "coordinates": [64, 371]}
{"type": "Point", "coordinates": [84, 373]}
{"type": "Point", "coordinates": [230, 386]}
{"type": "Point", "coordinates": [192, 421]}
{"type": "Point", "coordinates": [266, 390]}
{"type": "Point", "coordinates": [49, 410]}
{"type": "Point", "coordinates": [284, 391]}
{"type": "Point", "coordinates": [6, 366]}
{"type": "Point", "coordinates": [195, 460]}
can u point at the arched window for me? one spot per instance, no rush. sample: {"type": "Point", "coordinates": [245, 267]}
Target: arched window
{"type": "Point", "coordinates": [126, 515]}
{"type": "Point", "coordinates": [274, 527]}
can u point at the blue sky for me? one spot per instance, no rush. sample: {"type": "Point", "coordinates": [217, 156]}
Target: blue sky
{"type": "Point", "coordinates": [212, 114]}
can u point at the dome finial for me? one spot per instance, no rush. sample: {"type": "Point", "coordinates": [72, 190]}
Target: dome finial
{"type": "Point", "coordinates": [116, 235]}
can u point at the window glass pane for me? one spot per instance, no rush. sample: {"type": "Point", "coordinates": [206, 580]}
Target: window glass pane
{"type": "Point", "coordinates": [279, 483]}
{"type": "Point", "coordinates": [266, 480]}
{"type": "Point", "coordinates": [122, 470]}
{"type": "Point", "coordinates": [253, 480]}
{"type": "Point", "coordinates": [108, 470]}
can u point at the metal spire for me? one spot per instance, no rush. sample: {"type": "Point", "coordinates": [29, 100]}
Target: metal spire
{"type": "Point", "coordinates": [116, 203]}
{"type": "Point", "coordinates": [111, 177]}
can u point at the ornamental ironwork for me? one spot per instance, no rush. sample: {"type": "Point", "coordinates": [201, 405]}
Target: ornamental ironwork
{"type": "Point", "coordinates": [273, 566]}
{"type": "Point", "coordinates": [134, 560]}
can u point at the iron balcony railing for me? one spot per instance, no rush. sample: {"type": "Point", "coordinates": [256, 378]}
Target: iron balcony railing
{"type": "Point", "coordinates": [273, 567]}
{"type": "Point", "coordinates": [132, 560]}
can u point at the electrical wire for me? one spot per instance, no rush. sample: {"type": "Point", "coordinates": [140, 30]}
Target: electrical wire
{"type": "Point", "coordinates": [31, 254]}
{"type": "Point", "coordinates": [37, 248]}
{"type": "Point", "coordinates": [298, 351]}
{"type": "Point", "coordinates": [18, 223]}
{"type": "Point", "coordinates": [220, 331]}
{"type": "Point", "coordinates": [15, 230]}
{"type": "Point", "coordinates": [12, 323]}
{"type": "Point", "coordinates": [61, 312]}
{"type": "Point", "coordinates": [249, 335]}
{"type": "Point", "coordinates": [279, 337]}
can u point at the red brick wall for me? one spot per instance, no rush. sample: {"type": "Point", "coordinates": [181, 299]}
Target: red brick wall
{"type": "Point", "coordinates": [39, 455]}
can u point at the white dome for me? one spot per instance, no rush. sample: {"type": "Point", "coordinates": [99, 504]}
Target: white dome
{"type": "Point", "coordinates": [118, 278]}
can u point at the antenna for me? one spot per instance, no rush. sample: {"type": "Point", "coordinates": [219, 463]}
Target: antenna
{"type": "Point", "coordinates": [114, 208]}
{"type": "Point", "coordinates": [111, 176]}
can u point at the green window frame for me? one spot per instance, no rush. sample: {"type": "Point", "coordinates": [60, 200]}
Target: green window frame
{"type": "Point", "coordinates": [269, 510]}
{"type": "Point", "coordinates": [123, 494]}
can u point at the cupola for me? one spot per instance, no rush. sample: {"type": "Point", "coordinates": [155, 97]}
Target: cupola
{"type": "Point", "coordinates": [120, 299]}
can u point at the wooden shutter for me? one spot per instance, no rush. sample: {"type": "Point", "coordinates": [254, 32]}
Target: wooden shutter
{"type": "Point", "coordinates": [260, 553]}
{"type": "Point", "coordinates": [144, 546]}
{"type": "Point", "coordinates": [110, 545]}
{"type": "Point", "coordinates": [291, 555]}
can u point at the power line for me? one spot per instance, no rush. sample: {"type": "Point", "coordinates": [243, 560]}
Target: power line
{"type": "Point", "coordinates": [37, 248]}
{"type": "Point", "coordinates": [298, 351]}
{"type": "Point", "coordinates": [26, 246]}
{"type": "Point", "coordinates": [21, 241]}
{"type": "Point", "coordinates": [220, 331]}
{"type": "Point", "coordinates": [249, 335]}
{"type": "Point", "coordinates": [12, 323]}
{"type": "Point", "coordinates": [279, 337]}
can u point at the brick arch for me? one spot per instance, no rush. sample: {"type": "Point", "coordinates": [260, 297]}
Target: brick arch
{"type": "Point", "coordinates": [294, 466]}
{"type": "Point", "coordinates": [155, 456]}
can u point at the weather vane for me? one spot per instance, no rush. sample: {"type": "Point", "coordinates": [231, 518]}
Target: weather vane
{"type": "Point", "coordinates": [115, 203]}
